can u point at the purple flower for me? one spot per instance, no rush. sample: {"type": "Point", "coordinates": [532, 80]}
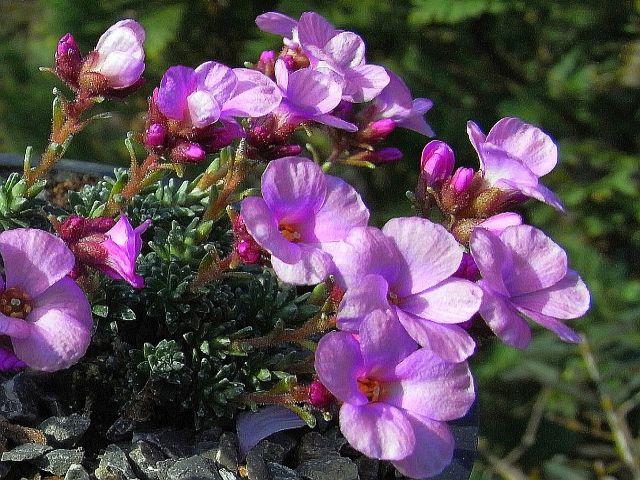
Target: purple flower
{"type": "Point", "coordinates": [9, 362]}
{"type": "Point", "coordinates": [341, 53]}
{"type": "Point", "coordinates": [396, 399]}
{"type": "Point", "coordinates": [213, 91]}
{"type": "Point", "coordinates": [395, 102]}
{"type": "Point", "coordinates": [514, 155]}
{"type": "Point", "coordinates": [308, 95]}
{"type": "Point", "coordinates": [436, 162]}
{"type": "Point", "coordinates": [46, 315]}
{"type": "Point", "coordinates": [301, 211]}
{"type": "Point", "coordinates": [524, 273]}
{"type": "Point", "coordinates": [118, 56]}
{"type": "Point", "coordinates": [407, 268]}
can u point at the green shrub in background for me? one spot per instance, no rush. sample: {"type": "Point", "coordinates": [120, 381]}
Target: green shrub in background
{"type": "Point", "coordinates": [555, 411]}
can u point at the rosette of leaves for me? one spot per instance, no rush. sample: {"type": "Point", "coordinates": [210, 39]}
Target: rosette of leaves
{"type": "Point", "coordinates": [19, 205]}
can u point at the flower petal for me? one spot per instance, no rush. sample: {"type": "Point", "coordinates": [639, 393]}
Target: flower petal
{"type": "Point", "coordinates": [378, 430]}
{"type": "Point", "coordinates": [477, 138]}
{"type": "Point", "coordinates": [255, 95]}
{"type": "Point", "coordinates": [276, 23]}
{"type": "Point", "coordinates": [176, 85]}
{"type": "Point", "coordinates": [126, 36]}
{"type": "Point", "coordinates": [491, 257]}
{"type": "Point", "coordinates": [565, 333]}
{"type": "Point", "coordinates": [14, 327]}
{"type": "Point", "coordinates": [34, 259]}
{"type": "Point", "coordinates": [203, 108]}
{"type": "Point", "coordinates": [360, 300]}
{"type": "Point", "coordinates": [526, 142]}
{"type": "Point", "coordinates": [313, 267]}
{"type": "Point", "coordinates": [451, 301]}
{"type": "Point", "coordinates": [217, 79]}
{"type": "Point", "coordinates": [263, 227]}
{"type": "Point", "coordinates": [381, 355]}
{"type": "Point", "coordinates": [424, 380]}
{"type": "Point", "coordinates": [364, 82]}
{"type": "Point", "coordinates": [536, 261]}
{"type": "Point", "coordinates": [503, 318]}
{"type": "Point", "coordinates": [339, 364]}
{"type": "Point", "coordinates": [497, 223]}
{"type": "Point", "coordinates": [254, 426]}
{"type": "Point", "coordinates": [430, 253]}
{"type": "Point", "coordinates": [313, 92]}
{"type": "Point", "coordinates": [499, 167]}
{"type": "Point", "coordinates": [121, 69]}
{"type": "Point", "coordinates": [294, 188]}
{"type": "Point", "coordinates": [450, 342]}
{"type": "Point", "coordinates": [346, 49]}
{"type": "Point", "coordinates": [9, 362]}
{"type": "Point", "coordinates": [335, 122]}
{"type": "Point", "coordinates": [433, 450]}
{"type": "Point", "coordinates": [569, 298]}
{"type": "Point", "coordinates": [314, 29]}
{"type": "Point", "coordinates": [60, 328]}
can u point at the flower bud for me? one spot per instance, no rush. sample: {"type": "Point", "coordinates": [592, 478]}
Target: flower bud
{"type": "Point", "coordinates": [376, 131]}
{"type": "Point", "coordinates": [461, 179]}
{"type": "Point", "coordinates": [266, 63]}
{"type": "Point", "coordinates": [319, 396]}
{"type": "Point", "coordinates": [436, 163]}
{"type": "Point", "coordinates": [68, 60]}
{"type": "Point", "coordinates": [155, 136]}
{"type": "Point", "coordinates": [187, 152]}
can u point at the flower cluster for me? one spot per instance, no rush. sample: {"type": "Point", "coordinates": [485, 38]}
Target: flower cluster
{"type": "Point", "coordinates": [398, 301]}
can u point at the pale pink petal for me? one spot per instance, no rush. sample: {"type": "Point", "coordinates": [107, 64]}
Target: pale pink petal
{"type": "Point", "coordinates": [503, 318]}
{"type": "Point", "coordinates": [176, 85]}
{"type": "Point", "coordinates": [276, 23]}
{"type": "Point", "coordinates": [384, 343]}
{"type": "Point", "coordinates": [294, 188]}
{"type": "Point", "coordinates": [498, 166]}
{"type": "Point", "coordinates": [454, 300]}
{"type": "Point", "coordinates": [497, 223]}
{"type": "Point", "coordinates": [314, 29]}
{"type": "Point", "coordinates": [536, 261]}
{"type": "Point", "coordinates": [416, 122]}
{"type": "Point", "coordinates": [217, 79]}
{"type": "Point", "coordinates": [125, 36]}
{"type": "Point", "coordinates": [378, 430]}
{"type": "Point", "coordinates": [450, 342]}
{"type": "Point", "coordinates": [368, 295]}
{"type": "Point", "coordinates": [395, 101]}
{"type": "Point", "coordinates": [255, 95]}
{"type": "Point", "coordinates": [339, 364]}
{"type": "Point", "coordinates": [34, 259]}
{"type": "Point", "coordinates": [364, 82]}
{"type": "Point", "coordinates": [346, 49]}
{"type": "Point", "coordinates": [433, 451]}
{"type": "Point", "coordinates": [569, 298]}
{"type": "Point", "coordinates": [491, 257]}
{"type": "Point", "coordinates": [431, 387]}
{"type": "Point", "coordinates": [542, 193]}
{"type": "Point", "coordinates": [203, 108]}
{"type": "Point", "coordinates": [121, 69]}
{"type": "Point", "coordinates": [429, 252]}
{"type": "Point", "coordinates": [313, 91]}
{"type": "Point", "coordinates": [477, 139]}
{"type": "Point", "coordinates": [263, 227]}
{"type": "Point", "coordinates": [366, 250]}
{"type": "Point", "coordinates": [335, 122]}
{"type": "Point", "coordinates": [282, 75]}
{"type": "Point", "coordinates": [342, 210]}
{"type": "Point", "coordinates": [61, 328]}
{"type": "Point", "coordinates": [531, 145]}
{"type": "Point", "coordinates": [559, 328]}
{"type": "Point", "coordinates": [314, 266]}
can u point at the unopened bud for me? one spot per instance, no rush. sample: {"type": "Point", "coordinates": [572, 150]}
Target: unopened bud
{"type": "Point", "coordinates": [436, 163]}
{"type": "Point", "coordinates": [155, 136]}
{"type": "Point", "coordinates": [462, 178]}
{"type": "Point", "coordinates": [376, 131]}
{"type": "Point", "coordinates": [319, 396]}
{"type": "Point", "coordinates": [188, 152]}
{"type": "Point", "coordinates": [266, 63]}
{"type": "Point", "coordinates": [68, 59]}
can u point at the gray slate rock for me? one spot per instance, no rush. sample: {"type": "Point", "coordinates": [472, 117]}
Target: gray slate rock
{"type": "Point", "coordinates": [227, 475]}
{"type": "Point", "coordinates": [114, 464]}
{"type": "Point", "coordinates": [227, 454]}
{"type": "Point", "coordinates": [59, 461]}
{"type": "Point", "coordinates": [4, 469]}
{"type": "Point", "coordinates": [315, 445]}
{"type": "Point", "coordinates": [194, 468]}
{"type": "Point", "coordinates": [65, 432]}
{"type": "Point", "coordinates": [329, 468]}
{"type": "Point", "coordinates": [368, 468]}
{"type": "Point", "coordinates": [144, 459]}
{"type": "Point", "coordinates": [174, 444]}
{"type": "Point", "coordinates": [26, 451]}
{"type": "Point", "coordinates": [280, 472]}
{"type": "Point", "coordinates": [257, 467]}
{"type": "Point", "coordinates": [276, 447]}
{"type": "Point", "coordinates": [77, 472]}
{"type": "Point", "coordinates": [18, 399]}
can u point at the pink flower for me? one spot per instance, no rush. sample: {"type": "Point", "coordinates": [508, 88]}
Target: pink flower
{"type": "Point", "coordinates": [112, 249]}
{"type": "Point", "coordinates": [514, 155]}
{"type": "Point", "coordinates": [524, 273]}
{"type": "Point", "coordinates": [407, 269]}
{"type": "Point", "coordinates": [301, 212]}
{"type": "Point", "coordinates": [396, 399]}
{"type": "Point", "coordinates": [118, 56]}
{"type": "Point", "coordinates": [46, 315]}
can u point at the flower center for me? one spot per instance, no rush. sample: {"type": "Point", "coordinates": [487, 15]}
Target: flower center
{"type": "Point", "coordinates": [289, 232]}
{"type": "Point", "coordinates": [393, 298]}
{"type": "Point", "coordinates": [15, 303]}
{"type": "Point", "coordinates": [371, 388]}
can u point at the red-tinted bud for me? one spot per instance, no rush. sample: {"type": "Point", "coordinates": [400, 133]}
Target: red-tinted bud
{"type": "Point", "coordinates": [436, 163]}
{"type": "Point", "coordinates": [376, 131]}
{"type": "Point", "coordinates": [462, 178]}
{"type": "Point", "coordinates": [71, 229]}
{"type": "Point", "coordinates": [188, 152]}
{"type": "Point", "coordinates": [377, 157]}
{"type": "Point", "coordinates": [319, 396]}
{"type": "Point", "coordinates": [68, 60]}
{"type": "Point", "coordinates": [155, 136]}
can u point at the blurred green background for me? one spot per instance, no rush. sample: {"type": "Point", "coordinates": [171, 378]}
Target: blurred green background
{"type": "Point", "coordinates": [554, 411]}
